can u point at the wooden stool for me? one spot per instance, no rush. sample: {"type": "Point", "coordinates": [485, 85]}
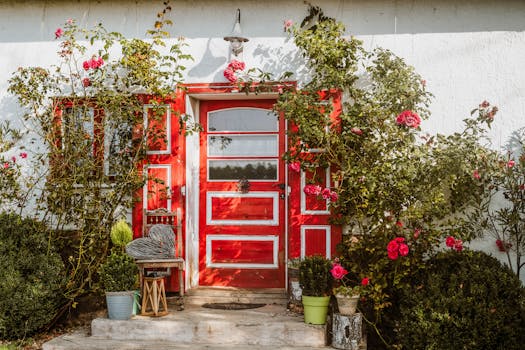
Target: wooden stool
{"type": "Point", "coordinates": [154, 296]}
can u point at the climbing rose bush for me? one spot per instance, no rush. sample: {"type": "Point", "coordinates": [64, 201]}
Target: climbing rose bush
{"type": "Point", "coordinates": [399, 192]}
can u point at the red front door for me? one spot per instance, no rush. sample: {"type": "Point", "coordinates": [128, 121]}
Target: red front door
{"type": "Point", "coordinates": [242, 191]}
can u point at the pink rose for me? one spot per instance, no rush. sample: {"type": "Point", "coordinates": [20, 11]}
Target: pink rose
{"type": "Point", "coordinates": [417, 232]}
{"type": "Point", "coordinates": [13, 158]}
{"type": "Point", "coordinates": [484, 104]}
{"type": "Point", "coordinates": [236, 65]}
{"type": "Point", "coordinates": [312, 189]}
{"type": "Point", "coordinates": [326, 193]}
{"type": "Point", "coordinates": [280, 89]}
{"type": "Point", "coordinates": [6, 165]}
{"type": "Point", "coordinates": [86, 82]}
{"type": "Point", "coordinates": [511, 163]}
{"type": "Point", "coordinates": [295, 166]}
{"type": "Point", "coordinates": [100, 62]}
{"type": "Point", "coordinates": [58, 33]}
{"type": "Point", "coordinates": [69, 21]}
{"type": "Point", "coordinates": [392, 246]}
{"type": "Point", "coordinates": [450, 241]}
{"type": "Point", "coordinates": [399, 239]}
{"type": "Point", "coordinates": [23, 155]}
{"type": "Point", "coordinates": [476, 175]}
{"type": "Point", "coordinates": [357, 131]}
{"type": "Point", "coordinates": [334, 196]}
{"type": "Point", "coordinates": [230, 75]}
{"type": "Point", "coordinates": [86, 65]}
{"type": "Point", "coordinates": [287, 24]}
{"type": "Point", "coordinates": [408, 118]}
{"type": "Point", "coordinates": [424, 82]}
{"type": "Point", "coordinates": [403, 249]}
{"type": "Point", "coordinates": [338, 271]}
{"type": "Point", "coordinates": [393, 255]}
{"type": "Point", "coordinates": [365, 281]}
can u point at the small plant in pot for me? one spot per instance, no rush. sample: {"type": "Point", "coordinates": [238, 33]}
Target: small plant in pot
{"type": "Point", "coordinates": [118, 275]}
{"type": "Point", "coordinates": [346, 291]}
{"type": "Point", "coordinates": [316, 283]}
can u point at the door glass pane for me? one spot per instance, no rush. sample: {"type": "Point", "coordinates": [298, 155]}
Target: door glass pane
{"type": "Point", "coordinates": [242, 145]}
{"type": "Point", "coordinates": [242, 169]}
{"type": "Point", "coordinates": [242, 119]}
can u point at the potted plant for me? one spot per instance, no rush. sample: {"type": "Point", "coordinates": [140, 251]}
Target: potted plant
{"type": "Point", "coordinates": [347, 295]}
{"type": "Point", "coordinates": [316, 283]}
{"type": "Point", "coordinates": [118, 275]}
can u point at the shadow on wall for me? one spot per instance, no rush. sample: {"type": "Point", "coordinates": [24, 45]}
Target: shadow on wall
{"type": "Point", "coordinates": [31, 21]}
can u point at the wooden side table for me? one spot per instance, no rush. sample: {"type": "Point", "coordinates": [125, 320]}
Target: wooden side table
{"type": "Point", "coordinates": [177, 263]}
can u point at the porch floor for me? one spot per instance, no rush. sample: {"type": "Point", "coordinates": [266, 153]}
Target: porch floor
{"type": "Point", "coordinates": [195, 327]}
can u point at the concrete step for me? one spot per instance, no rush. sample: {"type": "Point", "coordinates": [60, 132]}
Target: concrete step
{"type": "Point", "coordinates": [268, 326]}
{"type": "Point", "coordinates": [82, 341]}
{"type": "Point", "coordinates": [204, 295]}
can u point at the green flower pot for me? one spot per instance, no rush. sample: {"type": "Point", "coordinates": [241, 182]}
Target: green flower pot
{"type": "Point", "coordinates": [315, 309]}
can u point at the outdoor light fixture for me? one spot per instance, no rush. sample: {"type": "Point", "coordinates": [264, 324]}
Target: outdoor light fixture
{"type": "Point", "coordinates": [235, 38]}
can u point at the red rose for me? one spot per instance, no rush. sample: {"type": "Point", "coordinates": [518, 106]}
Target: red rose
{"type": "Point", "coordinates": [58, 33]}
{"type": "Point", "coordinates": [399, 239]}
{"type": "Point", "coordinates": [312, 189]}
{"type": "Point", "coordinates": [236, 65]}
{"type": "Point", "coordinates": [338, 271]}
{"type": "Point", "coordinates": [86, 82]}
{"type": "Point", "coordinates": [365, 281]}
{"type": "Point", "coordinates": [476, 175]}
{"type": "Point", "coordinates": [450, 241]}
{"type": "Point", "coordinates": [408, 118]}
{"type": "Point", "coordinates": [23, 155]}
{"type": "Point", "coordinates": [230, 75]}
{"type": "Point", "coordinates": [511, 163]}
{"type": "Point", "coordinates": [393, 255]}
{"type": "Point", "coordinates": [458, 245]}
{"type": "Point", "coordinates": [334, 196]}
{"type": "Point", "coordinates": [403, 249]}
{"type": "Point", "coordinates": [295, 166]}
{"type": "Point", "coordinates": [326, 193]}
{"type": "Point", "coordinates": [86, 65]}
{"type": "Point", "coordinates": [399, 224]}
{"type": "Point", "coordinates": [417, 232]}
{"type": "Point", "coordinates": [392, 246]}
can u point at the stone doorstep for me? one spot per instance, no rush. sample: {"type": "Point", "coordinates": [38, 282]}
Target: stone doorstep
{"type": "Point", "coordinates": [84, 342]}
{"type": "Point", "coordinates": [203, 295]}
{"type": "Point", "coordinates": [270, 325]}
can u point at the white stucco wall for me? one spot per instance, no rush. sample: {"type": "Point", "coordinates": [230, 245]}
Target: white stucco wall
{"type": "Point", "coordinates": [467, 51]}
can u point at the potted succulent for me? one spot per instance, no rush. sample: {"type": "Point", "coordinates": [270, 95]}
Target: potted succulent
{"type": "Point", "coordinates": [316, 282]}
{"type": "Point", "coordinates": [118, 275]}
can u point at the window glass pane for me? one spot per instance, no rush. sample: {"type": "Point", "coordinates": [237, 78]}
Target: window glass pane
{"type": "Point", "coordinates": [117, 145]}
{"type": "Point", "coordinates": [242, 119]}
{"type": "Point", "coordinates": [242, 145]}
{"type": "Point", "coordinates": [78, 132]}
{"type": "Point", "coordinates": [242, 169]}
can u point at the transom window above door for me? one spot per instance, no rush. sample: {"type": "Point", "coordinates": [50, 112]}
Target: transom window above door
{"type": "Point", "coordinates": [243, 143]}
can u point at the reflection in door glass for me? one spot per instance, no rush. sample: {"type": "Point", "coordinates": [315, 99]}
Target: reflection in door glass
{"type": "Point", "coordinates": [243, 145]}
{"type": "Point", "coordinates": [242, 169]}
{"type": "Point", "coordinates": [242, 119]}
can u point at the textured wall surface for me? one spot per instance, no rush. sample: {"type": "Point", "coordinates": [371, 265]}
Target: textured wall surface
{"type": "Point", "coordinates": [467, 51]}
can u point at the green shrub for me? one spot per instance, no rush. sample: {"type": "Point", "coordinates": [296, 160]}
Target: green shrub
{"type": "Point", "coordinates": [314, 276]}
{"type": "Point", "coordinates": [118, 273]}
{"type": "Point", "coordinates": [463, 300]}
{"type": "Point", "coordinates": [31, 277]}
{"type": "Point", "coordinates": [121, 234]}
